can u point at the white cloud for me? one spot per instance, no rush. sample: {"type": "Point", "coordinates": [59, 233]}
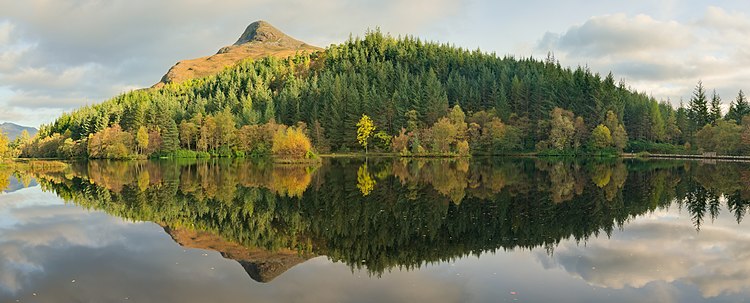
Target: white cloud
{"type": "Point", "coordinates": [665, 58]}
{"type": "Point", "coordinates": [719, 19]}
{"type": "Point", "coordinates": [6, 28]}
{"type": "Point", "coordinates": [617, 34]}
{"type": "Point", "coordinates": [29, 77]}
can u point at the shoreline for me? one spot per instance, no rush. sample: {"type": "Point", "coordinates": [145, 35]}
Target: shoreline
{"type": "Point", "coordinates": [690, 157]}
{"type": "Point", "coordinates": [395, 155]}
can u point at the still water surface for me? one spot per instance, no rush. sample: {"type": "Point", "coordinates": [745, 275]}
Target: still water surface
{"type": "Point", "coordinates": [385, 230]}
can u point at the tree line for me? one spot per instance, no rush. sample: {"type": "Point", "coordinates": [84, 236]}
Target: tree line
{"type": "Point", "coordinates": [411, 90]}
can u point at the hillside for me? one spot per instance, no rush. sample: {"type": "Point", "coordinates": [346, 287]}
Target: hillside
{"type": "Point", "coordinates": [12, 130]}
{"type": "Point", "coordinates": [424, 98]}
{"type": "Point", "coordinates": [260, 39]}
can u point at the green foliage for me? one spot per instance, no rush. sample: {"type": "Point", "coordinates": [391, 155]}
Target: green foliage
{"type": "Point", "coordinates": [184, 154]}
{"type": "Point", "coordinates": [141, 139]}
{"type": "Point", "coordinates": [715, 114]}
{"type": "Point", "coordinates": [698, 111]}
{"type": "Point", "coordinates": [170, 137]}
{"type": "Point", "coordinates": [638, 146]}
{"type": "Point", "coordinates": [402, 83]}
{"type": "Point", "coordinates": [738, 109]}
{"type": "Point", "coordinates": [561, 129]}
{"type": "Point", "coordinates": [443, 135]}
{"type": "Point", "coordinates": [619, 135]}
{"type": "Point", "coordinates": [111, 143]}
{"type": "Point", "coordinates": [725, 138]}
{"type": "Point", "coordinates": [383, 141]}
{"type": "Point", "coordinates": [601, 137]}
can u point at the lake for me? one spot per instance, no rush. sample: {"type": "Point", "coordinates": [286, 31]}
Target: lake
{"type": "Point", "coordinates": [380, 230]}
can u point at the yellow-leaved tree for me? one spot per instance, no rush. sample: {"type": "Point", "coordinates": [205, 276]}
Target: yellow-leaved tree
{"type": "Point", "coordinates": [3, 145]}
{"type": "Point", "coordinates": [365, 182]}
{"type": "Point", "coordinates": [365, 129]}
{"type": "Point", "coordinates": [141, 139]}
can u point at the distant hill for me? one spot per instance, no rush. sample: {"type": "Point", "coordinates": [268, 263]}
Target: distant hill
{"type": "Point", "coordinates": [260, 39]}
{"type": "Point", "coordinates": [13, 130]}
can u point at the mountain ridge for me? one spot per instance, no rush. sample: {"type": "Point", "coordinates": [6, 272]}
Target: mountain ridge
{"type": "Point", "coordinates": [12, 130]}
{"type": "Point", "coordinates": [260, 39]}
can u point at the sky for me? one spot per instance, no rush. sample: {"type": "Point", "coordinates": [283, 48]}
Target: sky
{"type": "Point", "coordinates": [57, 55]}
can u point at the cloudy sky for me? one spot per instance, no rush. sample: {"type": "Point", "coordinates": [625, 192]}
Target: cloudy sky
{"type": "Point", "coordinates": [56, 55]}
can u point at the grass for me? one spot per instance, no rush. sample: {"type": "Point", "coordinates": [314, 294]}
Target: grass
{"type": "Point", "coordinates": [33, 164]}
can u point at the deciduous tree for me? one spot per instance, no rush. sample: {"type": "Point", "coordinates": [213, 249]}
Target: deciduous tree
{"type": "Point", "coordinates": [365, 129]}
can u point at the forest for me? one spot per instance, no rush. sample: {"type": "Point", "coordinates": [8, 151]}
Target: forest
{"type": "Point", "coordinates": [421, 99]}
{"type": "Point", "coordinates": [412, 213]}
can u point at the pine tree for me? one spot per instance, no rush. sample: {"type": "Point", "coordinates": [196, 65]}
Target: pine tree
{"type": "Point", "coordinates": [435, 101]}
{"type": "Point", "coordinates": [698, 108]}
{"type": "Point", "coordinates": [715, 114]}
{"type": "Point", "coordinates": [683, 123]}
{"type": "Point", "coordinates": [248, 114]}
{"type": "Point", "coordinates": [269, 114]}
{"type": "Point", "coordinates": [738, 109]}
{"type": "Point", "coordinates": [671, 128]}
{"type": "Point", "coordinates": [170, 137]}
{"type": "Point", "coordinates": [657, 122]}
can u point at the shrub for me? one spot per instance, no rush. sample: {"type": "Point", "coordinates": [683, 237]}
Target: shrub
{"type": "Point", "coordinates": [655, 148]}
{"type": "Point", "coordinates": [291, 143]}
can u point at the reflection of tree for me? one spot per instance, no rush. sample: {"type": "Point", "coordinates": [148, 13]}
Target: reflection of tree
{"type": "Point", "coordinates": [601, 175]}
{"type": "Point", "coordinates": [566, 179]}
{"type": "Point", "coordinates": [407, 220]}
{"type": "Point", "coordinates": [365, 182]}
{"type": "Point", "coordinates": [710, 183]}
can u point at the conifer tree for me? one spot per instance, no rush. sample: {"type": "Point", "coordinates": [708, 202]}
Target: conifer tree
{"type": "Point", "coordinates": [715, 114]}
{"type": "Point", "coordinates": [698, 108]}
{"type": "Point", "coordinates": [739, 108]}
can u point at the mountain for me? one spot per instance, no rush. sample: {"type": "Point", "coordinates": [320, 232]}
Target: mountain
{"type": "Point", "coordinates": [260, 39]}
{"type": "Point", "coordinates": [13, 130]}
{"type": "Point", "coordinates": [260, 264]}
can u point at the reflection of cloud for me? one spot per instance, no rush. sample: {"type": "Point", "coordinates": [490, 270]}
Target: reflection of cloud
{"type": "Point", "coordinates": [51, 244]}
{"type": "Point", "coordinates": [660, 248]}
{"type": "Point", "coordinates": [30, 223]}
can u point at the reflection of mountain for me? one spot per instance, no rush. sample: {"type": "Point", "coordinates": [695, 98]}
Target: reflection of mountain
{"type": "Point", "coordinates": [413, 213]}
{"type": "Point", "coordinates": [15, 184]}
{"type": "Point", "coordinates": [262, 265]}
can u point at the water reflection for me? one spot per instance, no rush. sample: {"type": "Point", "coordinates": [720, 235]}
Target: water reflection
{"type": "Point", "coordinates": [388, 214]}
